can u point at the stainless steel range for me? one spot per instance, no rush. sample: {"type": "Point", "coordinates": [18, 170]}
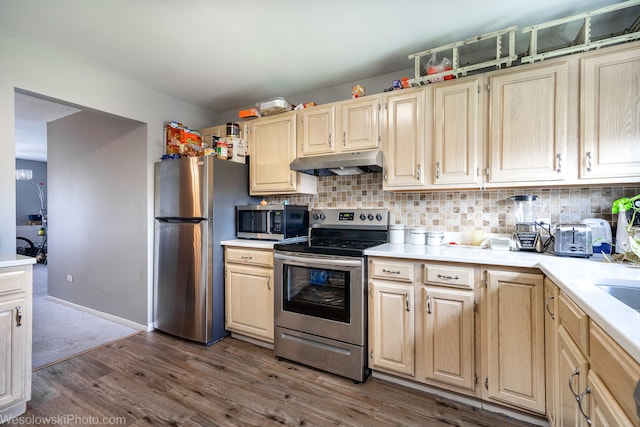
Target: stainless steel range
{"type": "Point", "coordinates": [321, 287]}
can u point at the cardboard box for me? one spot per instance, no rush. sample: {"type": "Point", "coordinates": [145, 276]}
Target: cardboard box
{"type": "Point", "coordinates": [237, 149]}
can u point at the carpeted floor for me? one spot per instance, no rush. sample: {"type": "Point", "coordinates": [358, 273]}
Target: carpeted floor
{"type": "Point", "coordinates": [60, 331]}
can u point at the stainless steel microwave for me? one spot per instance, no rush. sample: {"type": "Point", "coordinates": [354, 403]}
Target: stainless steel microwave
{"type": "Point", "coordinates": [271, 222]}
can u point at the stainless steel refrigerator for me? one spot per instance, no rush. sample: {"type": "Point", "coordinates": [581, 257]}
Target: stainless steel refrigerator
{"type": "Point", "coordinates": [195, 201]}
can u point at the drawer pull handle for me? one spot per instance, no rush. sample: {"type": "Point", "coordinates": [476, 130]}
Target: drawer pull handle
{"type": "Point", "coordinates": [429, 304]}
{"type": "Point", "coordinates": [447, 277]}
{"type": "Point", "coordinates": [269, 282]}
{"type": "Point", "coordinates": [551, 297]}
{"type": "Point", "coordinates": [406, 302]}
{"type": "Point", "coordinates": [579, 399]}
{"type": "Point", "coordinates": [384, 270]}
{"type": "Point", "coordinates": [575, 372]}
{"type": "Point", "coordinates": [247, 258]}
{"type": "Point", "coordinates": [19, 315]}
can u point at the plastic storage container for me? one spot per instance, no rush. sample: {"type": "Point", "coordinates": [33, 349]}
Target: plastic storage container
{"type": "Point", "coordinates": [274, 106]}
{"type": "Point", "coordinates": [435, 238]}
{"type": "Point", "coordinates": [396, 234]}
{"type": "Point", "coordinates": [417, 236]}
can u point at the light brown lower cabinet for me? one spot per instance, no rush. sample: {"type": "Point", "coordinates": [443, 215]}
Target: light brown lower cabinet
{"type": "Point", "coordinates": [596, 377]}
{"type": "Point", "coordinates": [422, 328]}
{"type": "Point", "coordinates": [513, 339]}
{"type": "Point", "coordinates": [249, 292]}
{"type": "Point", "coordinates": [551, 322]}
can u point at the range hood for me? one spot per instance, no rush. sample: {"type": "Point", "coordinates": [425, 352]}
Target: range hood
{"type": "Point", "coordinates": [340, 164]}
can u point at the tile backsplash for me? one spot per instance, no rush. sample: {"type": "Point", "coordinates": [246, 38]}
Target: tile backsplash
{"type": "Point", "coordinates": [458, 211]}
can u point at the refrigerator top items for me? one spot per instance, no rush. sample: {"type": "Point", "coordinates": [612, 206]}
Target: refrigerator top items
{"type": "Point", "coordinates": [195, 199]}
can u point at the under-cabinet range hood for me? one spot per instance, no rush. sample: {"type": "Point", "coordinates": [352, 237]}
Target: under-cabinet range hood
{"type": "Point", "coordinates": [340, 164]}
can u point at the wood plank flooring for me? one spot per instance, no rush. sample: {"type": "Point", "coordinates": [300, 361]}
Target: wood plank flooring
{"type": "Point", "coordinates": [155, 379]}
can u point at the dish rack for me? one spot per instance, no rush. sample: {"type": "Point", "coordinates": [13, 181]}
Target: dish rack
{"type": "Point", "coordinates": [583, 40]}
{"type": "Point", "coordinates": [421, 58]}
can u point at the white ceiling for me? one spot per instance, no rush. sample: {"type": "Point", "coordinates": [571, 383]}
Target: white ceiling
{"type": "Point", "coordinates": [228, 54]}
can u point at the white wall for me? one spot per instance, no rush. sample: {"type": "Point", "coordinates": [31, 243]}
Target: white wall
{"type": "Point", "coordinates": [97, 219]}
{"type": "Point", "coordinates": [372, 85]}
{"type": "Point", "coordinates": [44, 72]}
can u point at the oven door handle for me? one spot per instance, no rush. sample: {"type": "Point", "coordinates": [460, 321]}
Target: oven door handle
{"type": "Point", "coordinates": [315, 261]}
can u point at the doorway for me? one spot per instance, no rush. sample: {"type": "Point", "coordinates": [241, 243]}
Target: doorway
{"type": "Point", "coordinates": [87, 194]}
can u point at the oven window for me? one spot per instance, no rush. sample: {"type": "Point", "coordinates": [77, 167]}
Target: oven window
{"type": "Point", "coordinates": [317, 292]}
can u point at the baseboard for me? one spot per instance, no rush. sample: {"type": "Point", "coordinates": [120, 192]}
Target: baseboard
{"type": "Point", "coordinates": [467, 400]}
{"type": "Point", "coordinates": [252, 340]}
{"type": "Point", "coordinates": [107, 316]}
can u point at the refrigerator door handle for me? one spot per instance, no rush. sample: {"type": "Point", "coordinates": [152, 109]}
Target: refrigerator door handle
{"type": "Point", "coordinates": [181, 220]}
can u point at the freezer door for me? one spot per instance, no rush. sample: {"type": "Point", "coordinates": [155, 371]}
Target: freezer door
{"type": "Point", "coordinates": [182, 279]}
{"type": "Point", "coordinates": [183, 188]}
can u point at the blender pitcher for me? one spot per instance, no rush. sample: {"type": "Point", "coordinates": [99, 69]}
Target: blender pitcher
{"type": "Point", "coordinates": [526, 235]}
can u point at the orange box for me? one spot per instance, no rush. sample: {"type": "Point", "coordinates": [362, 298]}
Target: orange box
{"type": "Point", "coordinates": [249, 113]}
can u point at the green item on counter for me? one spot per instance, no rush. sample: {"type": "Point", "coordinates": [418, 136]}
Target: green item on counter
{"type": "Point", "coordinates": [624, 204]}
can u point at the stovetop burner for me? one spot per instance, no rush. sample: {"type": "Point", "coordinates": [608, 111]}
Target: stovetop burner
{"type": "Point", "coordinates": [343, 232]}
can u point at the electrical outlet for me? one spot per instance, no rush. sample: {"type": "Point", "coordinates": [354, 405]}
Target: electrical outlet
{"type": "Point", "coordinates": [69, 278]}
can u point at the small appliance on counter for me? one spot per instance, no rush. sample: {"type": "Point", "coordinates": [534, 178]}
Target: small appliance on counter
{"type": "Point", "coordinates": [272, 222]}
{"type": "Point", "coordinates": [601, 237]}
{"type": "Point", "coordinates": [526, 236]}
{"type": "Point", "coordinates": [573, 240]}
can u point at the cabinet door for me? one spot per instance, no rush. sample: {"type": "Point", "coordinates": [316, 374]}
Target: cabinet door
{"type": "Point", "coordinates": [391, 327]}
{"type": "Point", "coordinates": [610, 115]}
{"type": "Point", "coordinates": [317, 126]}
{"type": "Point", "coordinates": [272, 149]}
{"type": "Point", "coordinates": [360, 124]}
{"type": "Point", "coordinates": [249, 301]}
{"type": "Point", "coordinates": [13, 356]}
{"type": "Point", "coordinates": [573, 369]}
{"type": "Point", "coordinates": [604, 410]}
{"type": "Point", "coordinates": [551, 347]}
{"type": "Point", "coordinates": [448, 340]}
{"type": "Point", "coordinates": [528, 127]}
{"type": "Point", "coordinates": [456, 139]}
{"type": "Point", "coordinates": [514, 339]}
{"type": "Point", "coordinates": [404, 141]}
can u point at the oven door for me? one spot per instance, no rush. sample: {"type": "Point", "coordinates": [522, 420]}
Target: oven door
{"type": "Point", "coordinates": [321, 295]}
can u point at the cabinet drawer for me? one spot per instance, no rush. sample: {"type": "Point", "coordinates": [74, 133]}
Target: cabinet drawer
{"type": "Point", "coordinates": [392, 270]}
{"type": "Point", "coordinates": [14, 279]}
{"type": "Point", "coordinates": [616, 368]}
{"type": "Point", "coordinates": [250, 256]}
{"type": "Point", "coordinates": [460, 277]}
{"type": "Point", "coordinates": [575, 321]}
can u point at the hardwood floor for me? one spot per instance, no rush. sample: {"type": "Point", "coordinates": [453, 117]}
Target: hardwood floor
{"type": "Point", "coordinates": [155, 379]}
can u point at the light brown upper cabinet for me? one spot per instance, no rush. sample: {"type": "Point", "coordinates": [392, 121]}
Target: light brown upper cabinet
{"type": "Point", "coordinates": [457, 143]}
{"type": "Point", "coordinates": [347, 126]}
{"type": "Point", "coordinates": [610, 115]}
{"type": "Point", "coordinates": [272, 146]}
{"type": "Point", "coordinates": [404, 134]}
{"type": "Point", "coordinates": [528, 124]}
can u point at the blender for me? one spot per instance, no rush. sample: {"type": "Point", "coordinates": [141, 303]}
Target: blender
{"type": "Point", "coordinates": [526, 235]}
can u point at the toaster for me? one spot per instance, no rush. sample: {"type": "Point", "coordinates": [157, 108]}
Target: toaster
{"type": "Point", "coordinates": [573, 240]}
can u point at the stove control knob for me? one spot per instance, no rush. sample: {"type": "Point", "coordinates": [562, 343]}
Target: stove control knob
{"type": "Point", "coordinates": [370, 216]}
{"type": "Point", "coordinates": [322, 216]}
{"type": "Point", "coordinates": [316, 216]}
{"type": "Point", "coordinates": [362, 217]}
{"type": "Point", "coordinates": [379, 217]}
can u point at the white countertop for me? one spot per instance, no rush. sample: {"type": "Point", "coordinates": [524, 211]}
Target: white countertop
{"type": "Point", "coordinates": [575, 276]}
{"type": "Point", "coordinates": [11, 260]}
{"type": "Point", "coordinates": [260, 244]}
